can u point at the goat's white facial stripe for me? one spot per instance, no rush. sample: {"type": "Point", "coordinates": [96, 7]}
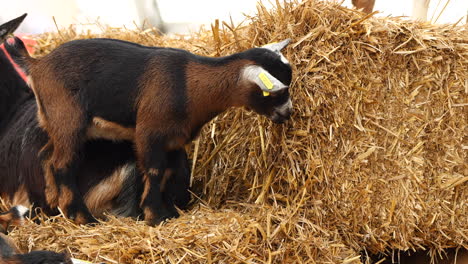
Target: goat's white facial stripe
{"type": "Point", "coordinates": [22, 210]}
{"type": "Point", "coordinates": [262, 78]}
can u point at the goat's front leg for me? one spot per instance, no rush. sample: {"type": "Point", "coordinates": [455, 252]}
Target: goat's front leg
{"type": "Point", "coordinates": [153, 162]}
{"type": "Point", "coordinates": [177, 179]}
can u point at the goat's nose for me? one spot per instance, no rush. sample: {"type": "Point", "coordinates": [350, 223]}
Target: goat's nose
{"type": "Point", "coordinates": [286, 109]}
{"type": "Point", "coordinates": [282, 113]}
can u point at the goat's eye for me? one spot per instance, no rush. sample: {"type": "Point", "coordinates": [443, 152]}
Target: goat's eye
{"type": "Point", "coordinates": [279, 93]}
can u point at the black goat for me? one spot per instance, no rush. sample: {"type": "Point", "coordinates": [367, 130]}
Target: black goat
{"type": "Point", "coordinates": [108, 178]}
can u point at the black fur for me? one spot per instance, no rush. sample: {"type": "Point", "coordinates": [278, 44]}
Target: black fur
{"type": "Point", "coordinates": [21, 140]}
{"type": "Point", "coordinates": [12, 86]}
{"type": "Point", "coordinates": [44, 257]}
{"type": "Point", "coordinates": [10, 27]}
{"type": "Point", "coordinates": [157, 159]}
{"type": "Point", "coordinates": [177, 186]}
{"type": "Point", "coordinates": [94, 70]}
{"type": "Point", "coordinates": [5, 249]}
{"type": "Point", "coordinates": [116, 67]}
{"type": "Point", "coordinates": [17, 50]}
{"type": "Point", "coordinates": [271, 62]}
{"type": "Point", "coordinates": [37, 257]}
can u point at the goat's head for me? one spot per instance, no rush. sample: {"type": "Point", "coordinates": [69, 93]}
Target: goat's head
{"type": "Point", "coordinates": [14, 216]}
{"type": "Point", "coordinates": [9, 27]}
{"type": "Point", "coordinates": [268, 81]}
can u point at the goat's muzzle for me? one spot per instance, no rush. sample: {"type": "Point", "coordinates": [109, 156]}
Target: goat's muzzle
{"type": "Point", "coordinates": [282, 113]}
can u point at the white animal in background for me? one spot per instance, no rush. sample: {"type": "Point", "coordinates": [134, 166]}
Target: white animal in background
{"type": "Point", "coordinates": [420, 7]}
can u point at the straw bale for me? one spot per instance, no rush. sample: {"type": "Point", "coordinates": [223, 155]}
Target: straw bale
{"type": "Point", "coordinates": [374, 158]}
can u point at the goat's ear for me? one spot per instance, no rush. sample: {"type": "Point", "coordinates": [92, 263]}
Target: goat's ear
{"type": "Point", "coordinates": [277, 46]}
{"type": "Point", "coordinates": [15, 216]}
{"type": "Point", "coordinates": [5, 219]}
{"type": "Point", "coordinates": [3, 225]}
{"type": "Point", "coordinates": [267, 82]}
{"type": "Point", "coordinates": [10, 27]}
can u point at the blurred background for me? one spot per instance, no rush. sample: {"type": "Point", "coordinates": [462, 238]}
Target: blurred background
{"type": "Point", "coordinates": [178, 16]}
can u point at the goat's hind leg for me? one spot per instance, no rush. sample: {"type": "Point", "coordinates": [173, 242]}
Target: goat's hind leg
{"type": "Point", "coordinates": [70, 199]}
{"type": "Point", "coordinates": [67, 141]}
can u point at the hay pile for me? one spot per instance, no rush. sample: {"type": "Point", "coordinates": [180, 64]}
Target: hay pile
{"type": "Point", "coordinates": [375, 156]}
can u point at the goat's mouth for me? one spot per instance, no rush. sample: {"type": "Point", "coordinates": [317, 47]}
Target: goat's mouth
{"type": "Point", "coordinates": [282, 113]}
{"type": "Point", "coordinates": [280, 118]}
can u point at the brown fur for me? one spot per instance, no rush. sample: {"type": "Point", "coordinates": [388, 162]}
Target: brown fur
{"type": "Point", "coordinates": [153, 171]}
{"type": "Point", "coordinates": [167, 175]}
{"type": "Point", "coordinates": [7, 219]}
{"type": "Point", "coordinates": [10, 243]}
{"type": "Point", "coordinates": [62, 108]}
{"type": "Point", "coordinates": [65, 198]}
{"type": "Point", "coordinates": [204, 98]}
{"type": "Point", "coordinates": [155, 85]}
{"type": "Point", "coordinates": [21, 196]}
{"type": "Point", "coordinates": [149, 214]}
{"type": "Point", "coordinates": [101, 128]}
{"type": "Point", "coordinates": [146, 188]}
{"type": "Point", "coordinates": [67, 118]}
{"type": "Point", "coordinates": [51, 189]}
{"type": "Point", "coordinates": [210, 90]}
{"type": "Point", "coordinates": [99, 198]}
{"type": "Point", "coordinates": [13, 260]}
{"type": "Point", "coordinates": [206, 92]}
{"type": "Point", "coordinates": [366, 5]}
{"type": "Point", "coordinates": [80, 219]}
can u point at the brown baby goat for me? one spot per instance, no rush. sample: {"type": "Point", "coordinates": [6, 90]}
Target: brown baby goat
{"type": "Point", "coordinates": [159, 98]}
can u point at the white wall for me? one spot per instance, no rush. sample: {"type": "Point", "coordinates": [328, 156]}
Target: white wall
{"type": "Point", "coordinates": [40, 13]}
{"type": "Point", "coordinates": [183, 15]}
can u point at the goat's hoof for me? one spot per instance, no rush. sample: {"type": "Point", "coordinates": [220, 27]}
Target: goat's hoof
{"type": "Point", "coordinates": [163, 218]}
{"type": "Point", "coordinates": [82, 217]}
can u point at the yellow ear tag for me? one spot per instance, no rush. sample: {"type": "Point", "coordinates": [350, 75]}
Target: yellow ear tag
{"type": "Point", "coordinates": [268, 84]}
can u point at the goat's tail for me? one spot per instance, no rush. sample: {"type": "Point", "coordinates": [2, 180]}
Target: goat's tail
{"type": "Point", "coordinates": [19, 54]}
{"type": "Point", "coordinates": [14, 216]}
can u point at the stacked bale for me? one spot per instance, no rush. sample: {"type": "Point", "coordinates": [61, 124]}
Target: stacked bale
{"type": "Point", "coordinates": [374, 158]}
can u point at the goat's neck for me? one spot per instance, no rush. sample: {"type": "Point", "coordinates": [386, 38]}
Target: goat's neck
{"type": "Point", "coordinates": [213, 89]}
